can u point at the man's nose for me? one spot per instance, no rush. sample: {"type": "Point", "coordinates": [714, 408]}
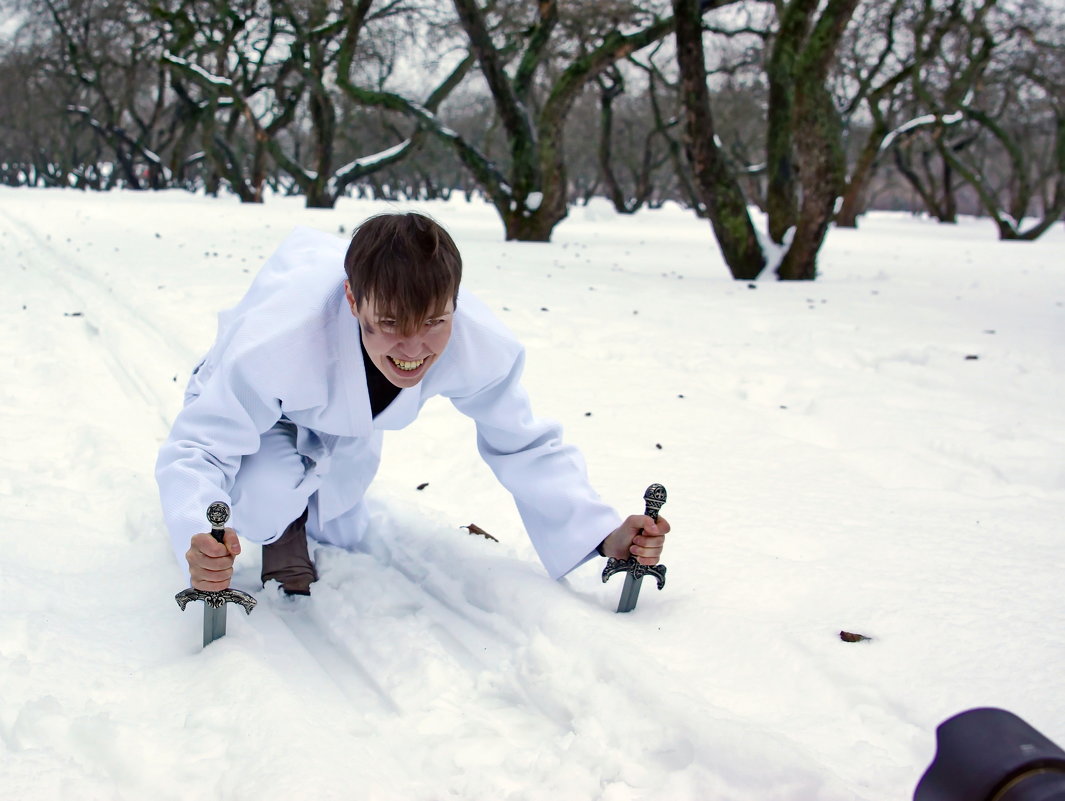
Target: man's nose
{"type": "Point", "coordinates": [411, 345]}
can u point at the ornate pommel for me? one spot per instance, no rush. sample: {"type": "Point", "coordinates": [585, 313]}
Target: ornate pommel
{"type": "Point", "coordinates": [218, 514]}
{"type": "Point", "coordinates": [653, 499]}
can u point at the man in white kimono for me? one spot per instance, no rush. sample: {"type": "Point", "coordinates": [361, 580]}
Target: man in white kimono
{"type": "Point", "coordinates": [284, 417]}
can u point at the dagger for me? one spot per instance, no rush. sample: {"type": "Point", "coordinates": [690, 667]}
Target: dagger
{"type": "Point", "coordinates": [653, 499]}
{"type": "Point", "coordinates": [214, 601]}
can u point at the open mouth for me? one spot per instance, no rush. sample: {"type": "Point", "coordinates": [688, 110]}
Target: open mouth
{"type": "Point", "coordinates": [405, 366]}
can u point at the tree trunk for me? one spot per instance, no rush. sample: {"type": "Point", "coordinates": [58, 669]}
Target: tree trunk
{"type": "Point", "coordinates": [808, 47]}
{"type": "Point", "coordinates": [717, 186]}
{"type": "Point", "coordinates": [529, 227]}
{"type": "Point", "coordinates": [212, 183]}
{"type": "Point", "coordinates": [950, 198]}
{"type": "Point", "coordinates": [856, 193]}
{"type": "Point", "coordinates": [318, 197]}
{"type": "Point", "coordinates": [853, 205]}
{"type": "Point", "coordinates": [323, 131]}
{"type": "Point", "coordinates": [782, 204]}
{"type": "Point", "coordinates": [820, 149]}
{"type": "Point", "coordinates": [607, 93]}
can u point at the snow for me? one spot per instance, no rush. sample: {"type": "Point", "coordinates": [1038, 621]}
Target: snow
{"type": "Point", "coordinates": [773, 252]}
{"type": "Point", "coordinates": [366, 161]}
{"type": "Point", "coordinates": [920, 122]}
{"type": "Point", "coordinates": [838, 460]}
{"type": "Point", "coordinates": [906, 127]}
{"type": "Point", "coordinates": [369, 161]}
{"type": "Point", "coordinates": [216, 80]}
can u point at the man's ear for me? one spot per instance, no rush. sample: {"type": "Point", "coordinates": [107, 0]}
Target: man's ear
{"type": "Point", "coordinates": [351, 299]}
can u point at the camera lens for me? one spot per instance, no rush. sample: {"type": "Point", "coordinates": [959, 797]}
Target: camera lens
{"type": "Point", "coordinates": [992, 755]}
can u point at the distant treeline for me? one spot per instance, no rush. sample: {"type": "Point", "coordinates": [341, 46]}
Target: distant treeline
{"type": "Point", "coordinates": [813, 111]}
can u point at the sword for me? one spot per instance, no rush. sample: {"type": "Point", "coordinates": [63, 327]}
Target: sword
{"type": "Point", "coordinates": [214, 601]}
{"type": "Point", "coordinates": [653, 500]}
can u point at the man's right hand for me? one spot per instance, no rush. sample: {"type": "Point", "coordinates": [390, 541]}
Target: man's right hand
{"type": "Point", "coordinates": [211, 561]}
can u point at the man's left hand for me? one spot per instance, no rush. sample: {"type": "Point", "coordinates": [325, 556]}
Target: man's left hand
{"type": "Point", "coordinates": [639, 536]}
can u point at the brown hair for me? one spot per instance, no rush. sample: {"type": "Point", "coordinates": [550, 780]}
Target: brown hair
{"type": "Point", "coordinates": [407, 263]}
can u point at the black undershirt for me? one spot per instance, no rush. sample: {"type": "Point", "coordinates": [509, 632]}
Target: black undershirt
{"type": "Point", "coordinates": [382, 391]}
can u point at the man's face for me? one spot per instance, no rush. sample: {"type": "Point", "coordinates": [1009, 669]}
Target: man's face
{"type": "Point", "coordinates": [402, 359]}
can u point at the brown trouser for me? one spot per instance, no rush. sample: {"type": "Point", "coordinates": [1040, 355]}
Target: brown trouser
{"type": "Point", "coordinates": [287, 561]}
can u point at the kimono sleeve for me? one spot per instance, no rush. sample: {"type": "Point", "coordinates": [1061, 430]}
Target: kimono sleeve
{"type": "Point", "coordinates": [563, 515]}
{"type": "Point", "coordinates": [198, 463]}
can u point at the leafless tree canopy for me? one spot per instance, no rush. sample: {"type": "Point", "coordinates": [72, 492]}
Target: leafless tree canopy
{"type": "Point", "coordinates": [813, 111]}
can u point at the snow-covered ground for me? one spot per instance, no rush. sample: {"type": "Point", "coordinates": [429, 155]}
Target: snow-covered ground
{"type": "Point", "coordinates": [880, 451]}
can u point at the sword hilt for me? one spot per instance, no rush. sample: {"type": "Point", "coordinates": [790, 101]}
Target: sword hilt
{"type": "Point", "coordinates": [217, 516]}
{"type": "Point", "coordinates": [654, 498]}
{"type": "Point", "coordinates": [214, 601]}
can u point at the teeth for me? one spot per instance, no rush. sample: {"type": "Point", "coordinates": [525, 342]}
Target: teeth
{"type": "Point", "coordinates": [407, 365]}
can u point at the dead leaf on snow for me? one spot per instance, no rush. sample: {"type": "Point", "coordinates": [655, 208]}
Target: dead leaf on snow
{"type": "Point", "coordinates": [849, 636]}
{"type": "Point", "coordinates": [473, 528]}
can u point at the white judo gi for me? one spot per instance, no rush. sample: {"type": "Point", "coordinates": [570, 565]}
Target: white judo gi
{"type": "Point", "coordinates": [277, 418]}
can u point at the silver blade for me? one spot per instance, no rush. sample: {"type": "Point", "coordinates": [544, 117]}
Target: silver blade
{"type": "Point", "coordinates": [214, 623]}
{"type": "Point", "coordinates": [629, 593]}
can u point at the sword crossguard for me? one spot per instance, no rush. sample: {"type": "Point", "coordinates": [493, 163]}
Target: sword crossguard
{"type": "Point", "coordinates": [215, 599]}
{"type": "Point", "coordinates": [638, 571]}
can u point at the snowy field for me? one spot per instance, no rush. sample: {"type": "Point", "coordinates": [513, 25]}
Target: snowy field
{"type": "Point", "coordinates": [881, 451]}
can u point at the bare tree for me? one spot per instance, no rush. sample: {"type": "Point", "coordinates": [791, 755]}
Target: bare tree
{"type": "Point", "coordinates": [533, 198]}
{"type": "Point", "coordinates": [106, 53]}
{"type": "Point", "coordinates": [530, 192]}
{"type": "Point", "coordinates": [631, 139]}
{"type": "Point", "coordinates": [38, 145]}
{"type": "Point", "coordinates": [886, 46]}
{"type": "Point", "coordinates": [231, 70]}
{"type": "Point", "coordinates": [667, 115]}
{"type": "Point", "coordinates": [356, 86]}
{"type": "Point", "coordinates": [1018, 110]}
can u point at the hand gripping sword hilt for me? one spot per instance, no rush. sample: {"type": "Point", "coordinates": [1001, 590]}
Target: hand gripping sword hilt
{"type": "Point", "coordinates": [654, 499]}
{"type": "Point", "coordinates": [217, 516]}
{"type": "Point", "coordinates": [215, 599]}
